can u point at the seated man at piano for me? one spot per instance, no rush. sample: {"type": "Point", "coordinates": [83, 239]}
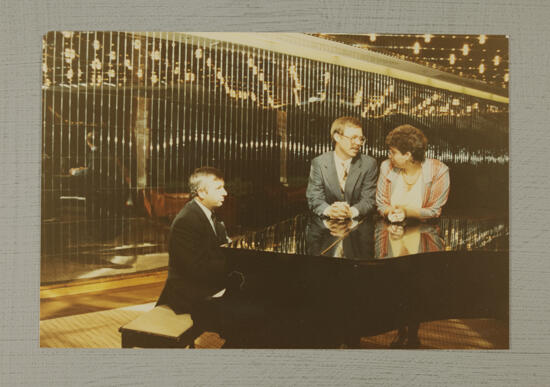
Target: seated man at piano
{"type": "Point", "coordinates": [410, 185]}
{"type": "Point", "coordinates": [342, 183]}
{"type": "Point", "coordinates": [199, 281]}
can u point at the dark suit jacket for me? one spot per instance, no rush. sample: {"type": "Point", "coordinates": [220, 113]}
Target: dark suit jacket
{"type": "Point", "coordinates": [196, 268]}
{"type": "Point", "coordinates": [323, 188]}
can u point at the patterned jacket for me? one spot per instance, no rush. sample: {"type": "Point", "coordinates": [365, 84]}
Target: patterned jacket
{"type": "Point", "coordinates": [435, 190]}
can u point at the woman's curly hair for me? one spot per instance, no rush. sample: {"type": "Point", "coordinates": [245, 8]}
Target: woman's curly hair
{"type": "Point", "coordinates": [407, 138]}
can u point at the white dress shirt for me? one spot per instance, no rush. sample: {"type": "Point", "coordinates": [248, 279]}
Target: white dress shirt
{"type": "Point", "coordinates": [208, 214]}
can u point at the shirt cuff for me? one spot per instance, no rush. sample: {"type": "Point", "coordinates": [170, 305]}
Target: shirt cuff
{"type": "Point", "coordinates": [354, 212]}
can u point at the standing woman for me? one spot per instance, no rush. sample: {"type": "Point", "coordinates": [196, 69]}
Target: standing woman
{"type": "Point", "coordinates": [410, 185]}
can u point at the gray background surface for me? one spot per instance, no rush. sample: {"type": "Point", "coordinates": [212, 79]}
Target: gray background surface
{"type": "Point", "coordinates": [22, 362]}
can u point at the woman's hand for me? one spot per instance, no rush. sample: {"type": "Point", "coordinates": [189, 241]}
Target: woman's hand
{"type": "Point", "coordinates": [410, 212]}
{"type": "Point", "coordinates": [396, 214]}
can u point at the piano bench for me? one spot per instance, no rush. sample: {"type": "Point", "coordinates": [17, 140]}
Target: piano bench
{"type": "Point", "coordinates": [159, 328]}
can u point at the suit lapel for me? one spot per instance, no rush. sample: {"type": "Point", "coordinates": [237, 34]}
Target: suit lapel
{"type": "Point", "coordinates": [220, 231]}
{"type": "Point", "coordinates": [331, 174]}
{"type": "Point", "coordinates": [205, 223]}
{"type": "Point", "coordinates": [354, 172]}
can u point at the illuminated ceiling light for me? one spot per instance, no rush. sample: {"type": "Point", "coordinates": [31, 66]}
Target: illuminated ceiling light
{"type": "Point", "coordinates": [96, 45]}
{"type": "Point", "coordinates": [128, 64]}
{"type": "Point", "coordinates": [465, 49]}
{"type": "Point", "coordinates": [481, 68]}
{"type": "Point", "coordinates": [416, 48]}
{"type": "Point", "coordinates": [137, 44]}
{"type": "Point", "coordinates": [482, 39]}
{"type": "Point", "coordinates": [155, 55]}
{"type": "Point", "coordinates": [154, 78]}
{"type": "Point", "coordinates": [67, 34]}
{"type": "Point", "coordinates": [69, 74]}
{"type": "Point", "coordinates": [452, 59]}
{"type": "Point", "coordinates": [111, 73]}
{"type": "Point", "coordinates": [140, 73]}
{"type": "Point", "coordinates": [198, 53]}
{"type": "Point", "coordinates": [372, 37]}
{"type": "Point", "coordinates": [96, 64]}
{"type": "Point", "coordinates": [69, 54]}
{"type": "Point", "coordinates": [176, 70]}
{"type": "Point", "coordinates": [427, 38]}
{"type": "Point", "coordinates": [456, 102]}
{"type": "Point", "coordinates": [496, 60]}
{"type": "Point", "coordinates": [506, 77]}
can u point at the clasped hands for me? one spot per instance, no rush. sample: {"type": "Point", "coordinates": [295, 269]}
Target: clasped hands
{"type": "Point", "coordinates": [397, 214]}
{"type": "Point", "coordinates": [339, 227]}
{"type": "Point", "coordinates": [339, 210]}
{"type": "Point", "coordinates": [396, 231]}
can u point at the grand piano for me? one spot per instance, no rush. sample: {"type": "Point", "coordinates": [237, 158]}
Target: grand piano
{"type": "Point", "coordinates": [327, 284]}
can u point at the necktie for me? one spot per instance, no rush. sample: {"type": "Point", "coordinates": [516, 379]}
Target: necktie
{"type": "Point", "coordinates": [219, 229]}
{"type": "Point", "coordinates": [214, 221]}
{"type": "Point", "coordinates": [344, 178]}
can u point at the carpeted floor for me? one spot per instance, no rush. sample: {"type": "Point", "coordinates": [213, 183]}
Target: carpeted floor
{"type": "Point", "coordinates": [100, 330]}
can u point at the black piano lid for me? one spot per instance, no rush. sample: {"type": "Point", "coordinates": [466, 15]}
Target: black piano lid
{"type": "Point", "coordinates": [373, 238]}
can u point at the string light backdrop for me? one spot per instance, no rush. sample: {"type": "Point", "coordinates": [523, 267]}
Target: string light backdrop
{"type": "Point", "coordinates": [162, 104]}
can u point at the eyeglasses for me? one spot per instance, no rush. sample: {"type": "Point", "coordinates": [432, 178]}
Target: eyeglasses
{"type": "Point", "coordinates": [359, 139]}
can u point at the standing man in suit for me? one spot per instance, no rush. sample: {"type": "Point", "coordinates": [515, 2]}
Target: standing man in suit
{"type": "Point", "coordinates": [342, 183]}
